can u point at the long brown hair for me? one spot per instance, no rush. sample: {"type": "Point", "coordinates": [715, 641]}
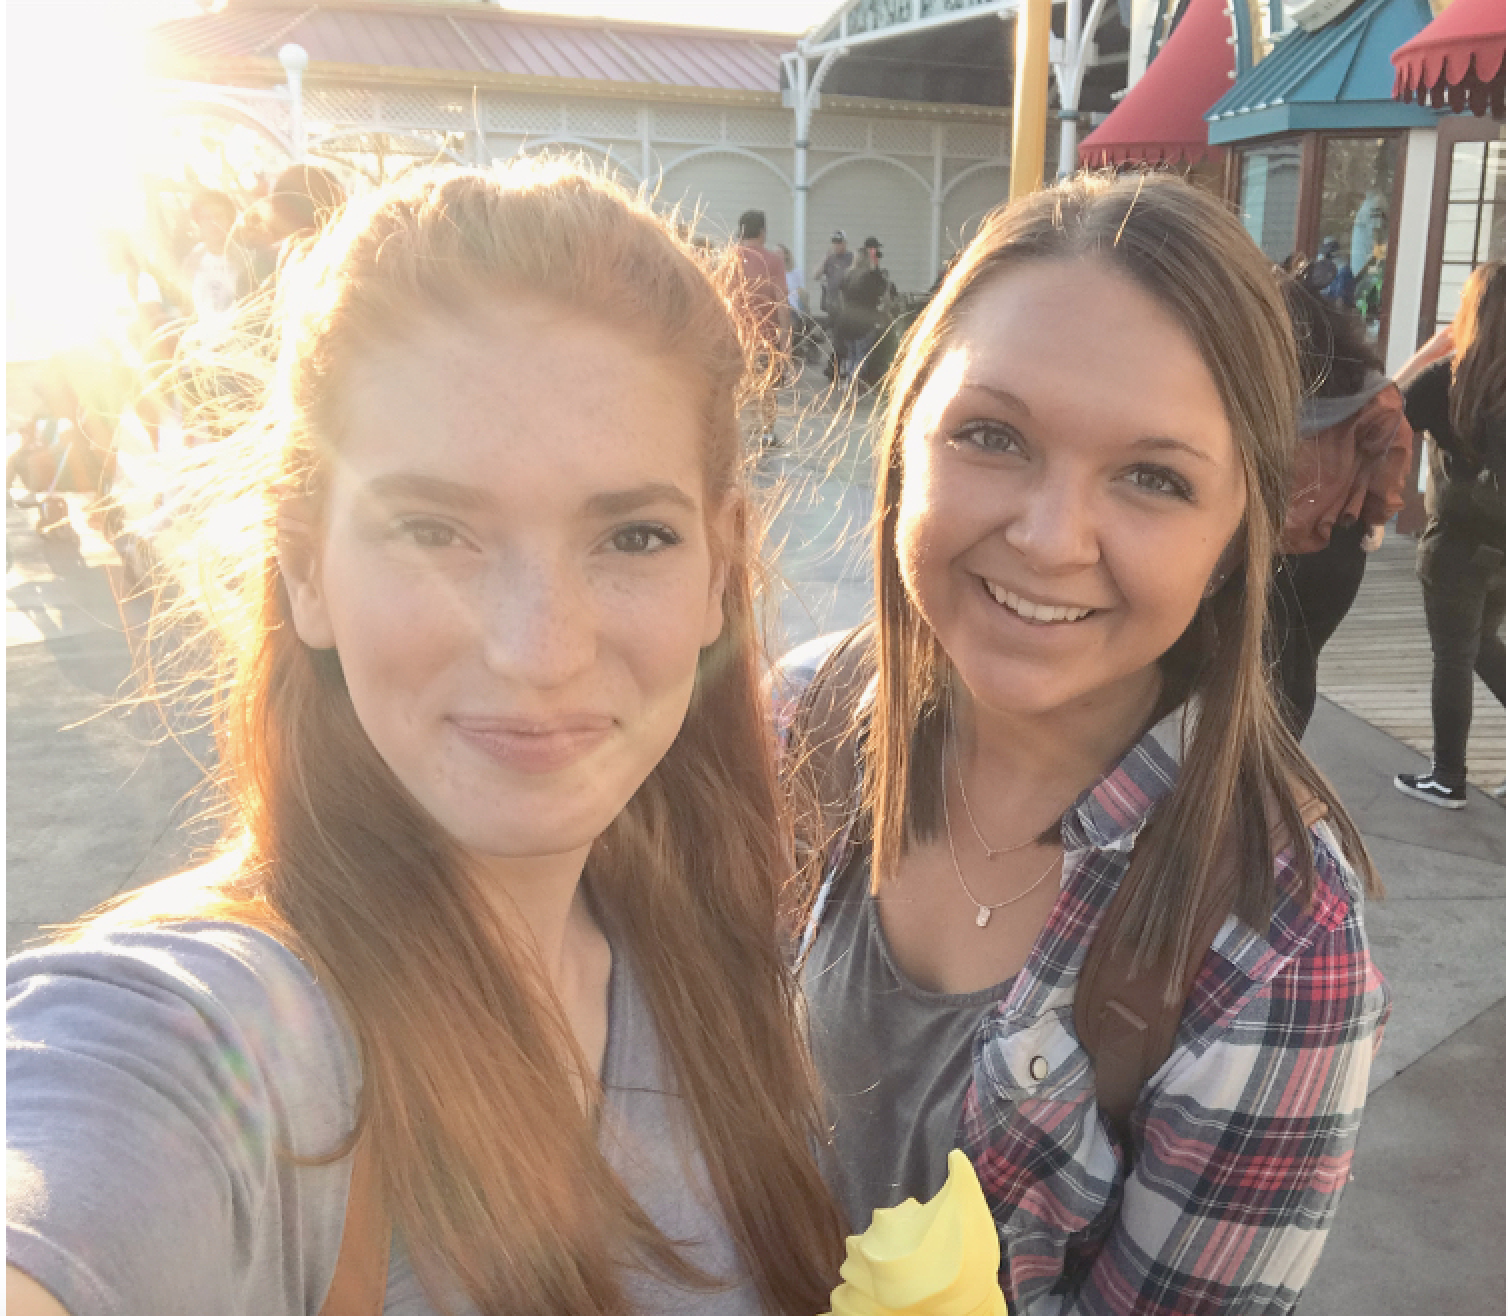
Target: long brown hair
{"type": "Point", "coordinates": [1476, 384]}
{"type": "Point", "coordinates": [1192, 255]}
{"type": "Point", "coordinates": [487, 1161]}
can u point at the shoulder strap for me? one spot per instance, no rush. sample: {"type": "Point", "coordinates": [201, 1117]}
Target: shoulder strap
{"type": "Point", "coordinates": [1124, 1020]}
{"type": "Point", "coordinates": [359, 1285]}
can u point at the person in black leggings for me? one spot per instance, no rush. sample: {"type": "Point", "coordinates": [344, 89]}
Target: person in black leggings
{"type": "Point", "coordinates": [1459, 401]}
{"type": "Point", "coordinates": [1353, 458]}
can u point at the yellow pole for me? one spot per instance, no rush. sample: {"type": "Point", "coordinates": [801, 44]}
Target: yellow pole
{"type": "Point", "coordinates": [1029, 113]}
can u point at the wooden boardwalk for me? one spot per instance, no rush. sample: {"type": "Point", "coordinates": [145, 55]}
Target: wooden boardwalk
{"type": "Point", "coordinates": [1378, 665]}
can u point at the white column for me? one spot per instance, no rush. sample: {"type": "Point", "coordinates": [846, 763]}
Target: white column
{"type": "Point", "coordinates": [1078, 40]}
{"type": "Point", "coordinates": [799, 69]}
{"type": "Point", "coordinates": [1143, 14]}
{"type": "Point", "coordinates": [646, 150]}
{"type": "Point", "coordinates": [1068, 87]}
{"type": "Point", "coordinates": [1407, 251]}
{"type": "Point", "coordinates": [807, 87]}
{"type": "Point", "coordinates": [295, 59]}
{"type": "Point", "coordinates": [937, 198]}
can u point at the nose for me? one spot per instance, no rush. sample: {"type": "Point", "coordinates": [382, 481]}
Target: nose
{"type": "Point", "coordinates": [538, 623]}
{"type": "Point", "coordinates": [1053, 525]}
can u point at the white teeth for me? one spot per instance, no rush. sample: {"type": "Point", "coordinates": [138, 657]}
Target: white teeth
{"type": "Point", "coordinates": [1037, 612]}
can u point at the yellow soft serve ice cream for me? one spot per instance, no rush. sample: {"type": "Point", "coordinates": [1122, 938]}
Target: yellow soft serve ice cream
{"type": "Point", "coordinates": [937, 1258]}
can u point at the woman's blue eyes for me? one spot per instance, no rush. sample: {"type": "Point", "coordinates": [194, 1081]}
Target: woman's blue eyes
{"type": "Point", "coordinates": [993, 437]}
{"type": "Point", "coordinates": [635, 540]}
{"type": "Point", "coordinates": [1161, 480]}
{"type": "Point", "coordinates": [988, 436]}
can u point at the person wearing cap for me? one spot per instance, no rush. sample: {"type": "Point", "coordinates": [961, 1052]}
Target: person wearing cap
{"type": "Point", "coordinates": [833, 270]}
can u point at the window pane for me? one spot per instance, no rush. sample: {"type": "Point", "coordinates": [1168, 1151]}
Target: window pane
{"type": "Point", "coordinates": [1461, 231]}
{"type": "Point", "coordinates": [1270, 198]}
{"type": "Point", "coordinates": [1490, 244]}
{"type": "Point", "coordinates": [1466, 170]}
{"type": "Point", "coordinates": [1494, 190]}
{"type": "Point", "coordinates": [1355, 198]}
{"type": "Point", "coordinates": [1452, 280]}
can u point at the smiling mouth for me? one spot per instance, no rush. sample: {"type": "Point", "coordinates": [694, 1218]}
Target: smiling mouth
{"type": "Point", "coordinates": [535, 747]}
{"type": "Point", "coordinates": [1039, 614]}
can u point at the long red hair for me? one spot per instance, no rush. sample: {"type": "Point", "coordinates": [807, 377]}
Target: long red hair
{"type": "Point", "coordinates": [487, 1161]}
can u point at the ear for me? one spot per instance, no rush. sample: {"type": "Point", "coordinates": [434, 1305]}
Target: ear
{"type": "Point", "coordinates": [725, 532]}
{"type": "Point", "coordinates": [299, 562]}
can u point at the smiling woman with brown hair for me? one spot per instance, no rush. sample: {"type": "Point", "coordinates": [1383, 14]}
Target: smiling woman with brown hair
{"type": "Point", "coordinates": [488, 970]}
{"type": "Point", "coordinates": [1066, 744]}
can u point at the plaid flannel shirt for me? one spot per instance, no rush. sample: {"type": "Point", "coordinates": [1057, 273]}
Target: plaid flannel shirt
{"type": "Point", "coordinates": [1243, 1139]}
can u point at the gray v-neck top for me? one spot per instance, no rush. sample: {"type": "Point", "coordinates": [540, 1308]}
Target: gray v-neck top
{"type": "Point", "coordinates": [895, 1060]}
{"type": "Point", "coordinates": [157, 1079]}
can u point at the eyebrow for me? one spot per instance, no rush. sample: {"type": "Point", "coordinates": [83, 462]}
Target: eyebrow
{"type": "Point", "coordinates": [1000, 395]}
{"type": "Point", "coordinates": [429, 489]}
{"type": "Point", "coordinates": [621, 502]}
{"type": "Point", "coordinates": [462, 497]}
{"type": "Point", "coordinates": [1158, 443]}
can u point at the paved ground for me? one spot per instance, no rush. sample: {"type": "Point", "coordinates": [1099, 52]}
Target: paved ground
{"type": "Point", "coordinates": [1378, 665]}
{"type": "Point", "coordinates": [97, 801]}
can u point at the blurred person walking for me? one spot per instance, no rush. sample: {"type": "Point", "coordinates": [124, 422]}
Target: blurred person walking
{"type": "Point", "coordinates": [213, 276]}
{"type": "Point", "coordinates": [1459, 403]}
{"type": "Point", "coordinates": [868, 304]}
{"type": "Point", "coordinates": [833, 270]}
{"type": "Point", "coordinates": [1347, 482]}
{"type": "Point", "coordinates": [763, 298]}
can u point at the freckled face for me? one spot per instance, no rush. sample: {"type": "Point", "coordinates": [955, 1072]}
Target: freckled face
{"type": "Point", "coordinates": [515, 567]}
{"type": "Point", "coordinates": [1070, 483]}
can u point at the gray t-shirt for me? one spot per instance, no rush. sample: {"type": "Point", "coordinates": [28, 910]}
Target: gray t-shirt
{"type": "Point", "coordinates": [157, 1080]}
{"type": "Point", "coordinates": [895, 1061]}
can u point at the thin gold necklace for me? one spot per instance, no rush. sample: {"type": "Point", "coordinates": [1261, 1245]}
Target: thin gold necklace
{"type": "Point", "coordinates": [991, 852]}
{"type": "Point", "coordinates": [982, 918]}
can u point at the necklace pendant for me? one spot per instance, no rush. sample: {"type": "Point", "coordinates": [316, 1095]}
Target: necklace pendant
{"type": "Point", "coordinates": [982, 918]}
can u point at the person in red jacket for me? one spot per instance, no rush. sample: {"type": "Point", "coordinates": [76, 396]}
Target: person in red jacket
{"type": "Point", "coordinates": [1353, 458]}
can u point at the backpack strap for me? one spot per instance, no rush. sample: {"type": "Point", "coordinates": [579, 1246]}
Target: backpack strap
{"type": "Point", "coordinates": [1125, 1020]}
{"type": "Point", "coordinates": [359, 1285]}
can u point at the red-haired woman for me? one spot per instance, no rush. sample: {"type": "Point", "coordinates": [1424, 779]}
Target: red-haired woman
{"type": "Point", "coordinates": [483, 1008]}
{"type": "Point", "coordinates": [1069, 724]}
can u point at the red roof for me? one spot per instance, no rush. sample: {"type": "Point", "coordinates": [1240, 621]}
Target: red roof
{"type": "Point", "coordinates": [479, 39]}
{"type": "Point", "coordinates": [1457, 60]}
{"type": "Point", "coordinates": [1162, 116]}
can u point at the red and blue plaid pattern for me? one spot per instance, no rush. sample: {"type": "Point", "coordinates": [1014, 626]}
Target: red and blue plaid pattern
{"type": "Point", "coordinates": [1243, 1139]}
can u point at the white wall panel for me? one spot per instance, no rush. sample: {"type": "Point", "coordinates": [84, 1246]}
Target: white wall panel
{"type": "Point", "coordinates": [969, 202]}
{"type": "Point", "coordinates": [721, 186]}
{"type": "Point", "coordinates": [868, 197]}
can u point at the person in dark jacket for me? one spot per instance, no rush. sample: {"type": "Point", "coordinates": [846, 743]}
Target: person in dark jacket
{"type": "Point", "coordinates": [868, 300]}
{"type": "Point", "coordinates": [1355, 449]}
{"type": "Point", "coordinates": [1459, 402]}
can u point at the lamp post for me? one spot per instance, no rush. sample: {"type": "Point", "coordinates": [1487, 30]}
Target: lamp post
{"type": "Point", "coordinates": [295, 59]}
